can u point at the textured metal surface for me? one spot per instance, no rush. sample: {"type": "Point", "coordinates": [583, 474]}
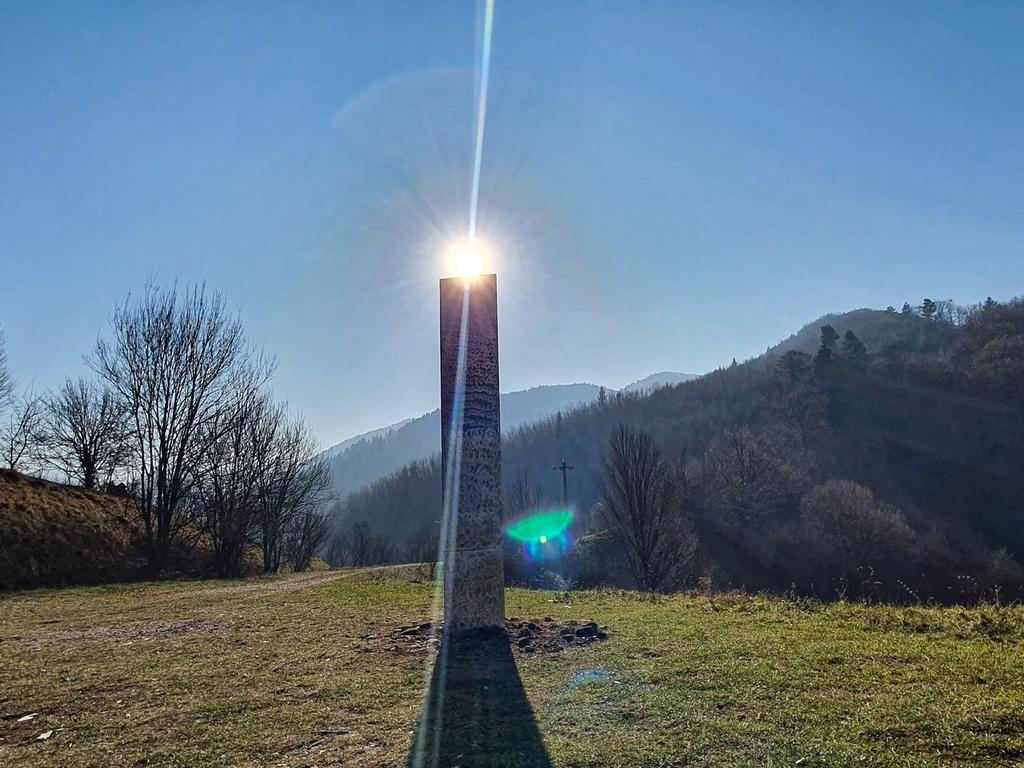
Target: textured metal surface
{"type": "Point", "coordinates": [474, 584]}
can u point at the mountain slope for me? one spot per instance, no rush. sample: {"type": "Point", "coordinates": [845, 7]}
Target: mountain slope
{"type": "Point", "coordinates": [913, 448]}
{"type": "Point", "coordinates": [366, 458]}
{"type": "Point", "coordinates": [340, 448]}
{"type": "Point", "coordinates": [657, 381]}
{"type": "Point", "coordinates": [884, 333]}
{"type": "Point", "coordinates": [360, 460]}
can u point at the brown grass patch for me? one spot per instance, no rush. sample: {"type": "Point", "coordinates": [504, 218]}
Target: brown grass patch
{"type": "Point", "coordinates": [57, 535]}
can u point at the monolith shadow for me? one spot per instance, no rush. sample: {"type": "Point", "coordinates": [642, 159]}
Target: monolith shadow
{"type": "Point", "coordinates": [476, 713]}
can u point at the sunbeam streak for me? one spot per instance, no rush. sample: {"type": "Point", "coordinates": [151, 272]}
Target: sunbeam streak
{"type": "Point", "coordinates": [431, 716]}
{"type": "Point", "coordinates": [481, 116]}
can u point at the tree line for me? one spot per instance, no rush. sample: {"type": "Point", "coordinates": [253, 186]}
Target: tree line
{"type": "Point", "coordinates": [886, 477]}
{"type": "Point", "coordinates": [177, 414]}
{"type": "Point", "coordinates": [875, 454]}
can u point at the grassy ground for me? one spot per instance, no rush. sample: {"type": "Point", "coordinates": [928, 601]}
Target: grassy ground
{"type": "Point", "coordinates": [277, 672]}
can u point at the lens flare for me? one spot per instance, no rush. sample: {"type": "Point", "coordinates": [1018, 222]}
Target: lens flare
{"type": "Point", "coordinates": [544, 536]}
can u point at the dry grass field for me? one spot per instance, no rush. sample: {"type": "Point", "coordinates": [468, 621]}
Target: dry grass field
{"type": "Point", "coordinates": [308, 670]}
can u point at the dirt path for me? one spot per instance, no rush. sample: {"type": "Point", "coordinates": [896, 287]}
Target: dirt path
{"type": "Point", "coordinates": [191, 612]}
{"type": "Point", "coordinates": [194, 615]}
{"type": "Point", "coordinates": [290, 583]}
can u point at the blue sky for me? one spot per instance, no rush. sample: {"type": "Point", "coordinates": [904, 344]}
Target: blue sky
{"type": "Point", "coordinates": [666, 185]}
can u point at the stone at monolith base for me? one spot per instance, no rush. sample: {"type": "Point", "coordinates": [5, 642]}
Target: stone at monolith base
{"type": "Point", "coordinates": [471, 453]}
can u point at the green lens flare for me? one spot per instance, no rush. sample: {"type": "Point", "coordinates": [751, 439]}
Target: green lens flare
{"type": "Point", "coordinates": [541, 527]}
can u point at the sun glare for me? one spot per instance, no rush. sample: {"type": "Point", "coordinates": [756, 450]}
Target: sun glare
{"type": "Point", "coordinates": [468, 261]}
{"type": "Point", "coordinates": [469, 258]}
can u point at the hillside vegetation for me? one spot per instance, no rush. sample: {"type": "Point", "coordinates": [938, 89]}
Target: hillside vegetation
{"type": "Point", "coordinates": [308, 670]}
{"type": "Point", "coordinates": [53, 535]}
{"type": "Point", "coordinates": [880, 459]}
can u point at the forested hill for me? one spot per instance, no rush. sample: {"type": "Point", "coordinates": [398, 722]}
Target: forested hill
{"type": "Point", "coordinates": [359, 461]}
{"type": "Point", "coordinates": [921, 413]}
{"type": "Point", "coordinates": [885, 334]}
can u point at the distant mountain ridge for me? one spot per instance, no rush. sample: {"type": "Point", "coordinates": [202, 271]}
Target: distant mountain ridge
{"type": "Point", "coordinates": [658, 380]}
{"type": "Point", "coordinates": [334, 450]}
{"type": "Point", "coordinates": [360, 460]}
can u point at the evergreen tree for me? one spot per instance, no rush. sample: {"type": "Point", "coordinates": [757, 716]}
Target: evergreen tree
{"type": "Point", "coordinates": [907, 309]}
{"type": "Point", "coordinates": [989, 304]}
{"type": "Point", "coordinates": [826, 351]}
{"type": "Point", "coordinates": [928, 309]}
{"type": "Point", "coordinates": [854, 350]}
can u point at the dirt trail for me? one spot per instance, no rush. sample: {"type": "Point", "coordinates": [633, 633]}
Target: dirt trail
{"type": "Point", "coordinates": [198, 618]}
{"type": "Point", "coordinates": [281, 584]}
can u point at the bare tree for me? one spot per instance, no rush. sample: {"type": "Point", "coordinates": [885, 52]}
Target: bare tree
{"type": "Point", "coordinates": [421, 547]}
{"type": "Point", "coordinates": [20, 434]}
{"type": "Point", "coordinates": [304, 537]}
{"type": "Point", "coordinates": [85, 432]}
{"type": "Point", "coordinates": [226, 482]}
{"type": "Point", "coordinates": [641, 506]}
{"type": "Point", "coordinates": [847, 528]}
{"type": "Point", "coordinates": [293, 481]}
{"type": "Point", "coordinates": [520, 497]}
{"type": "Point", "coordinates": [259, 482]}
{"type": "Point", "coordinates": [361, 544]}
{"type": "Point", "coordinates": [337, 550]}
{"type": "Point", "coordinates": [6, 382]}
{"type": "Point", "coordinates": [174, 359]}
{"type": "Point", "coordinates": [750, 479]}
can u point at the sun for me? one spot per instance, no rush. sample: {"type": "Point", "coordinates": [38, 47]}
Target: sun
{"type": "Point", "coordinates": [468, 261]}
{"type": "Point", "coordinates": [469, 257]}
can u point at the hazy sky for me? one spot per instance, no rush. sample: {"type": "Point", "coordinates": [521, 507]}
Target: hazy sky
{"type": "Point", "coordinates": [667, 185]}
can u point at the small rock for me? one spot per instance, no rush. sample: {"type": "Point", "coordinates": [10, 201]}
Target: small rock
{"type": "Point", "coordinates": [586, 631]}
{"type": "Point", "coordinates": [44, 735]}
{"type": "Point", "coordinates": [528, 649]}
{"type": "Point", "coordinates": [523, 642]}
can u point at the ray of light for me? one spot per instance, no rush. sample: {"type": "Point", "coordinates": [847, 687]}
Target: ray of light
{"type": "Point", "coordinates": [481, 116]}
{"type": "Point", "coordinates": [432, 713]}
